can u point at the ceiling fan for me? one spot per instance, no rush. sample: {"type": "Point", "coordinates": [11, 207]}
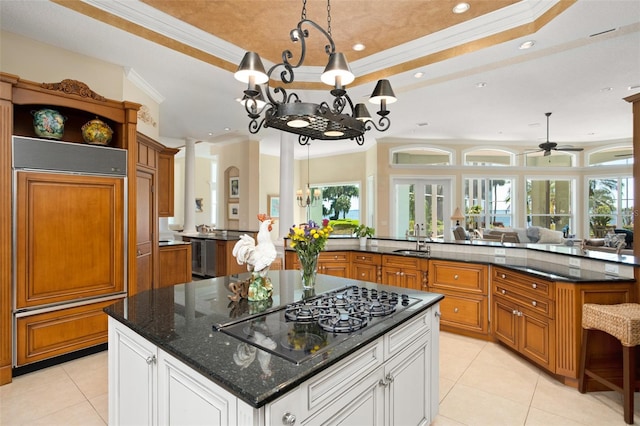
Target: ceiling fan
{"type": "Point", "coordinates": [547, 146]}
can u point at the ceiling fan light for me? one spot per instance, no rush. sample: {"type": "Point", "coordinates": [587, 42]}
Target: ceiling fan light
{"type": "Point", "coordinates": [337, 71]}
{"type": "Point", "coordinates": [251, 69]}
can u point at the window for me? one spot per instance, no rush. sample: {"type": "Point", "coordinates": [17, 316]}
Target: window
{"type": "Point", "coordinates": [612, 156]}
{"type": "Point", "coordinates": [488, 157]}
{"type": "Point", "coordinates": [550, 203]}
{"type": "Point", "coordinates": [424, 156]}
{"type": "Point", "coordinates": [610, 204]}
{"type": "Point", "coordinates": [487, 202]}
{"type": "Point", "coordinates": [556, 159]}
{"type": "Point", "coordinates": [339, 202]}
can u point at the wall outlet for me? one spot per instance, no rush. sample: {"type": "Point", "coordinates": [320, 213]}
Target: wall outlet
{"type": "Point", "coordinates": [610, 269]}
{"type": "Point", "coordinates": [500, 252]}
{"type": "Point", "coordinates": [574, 272]}
{"type": "Point", "coordinates": [574, 262]}
{"type": "Point", "coordinates": [499, 260]}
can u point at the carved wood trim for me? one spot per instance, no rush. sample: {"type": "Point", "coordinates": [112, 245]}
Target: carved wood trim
{"type": "Point", "coordinates": [74, 87]}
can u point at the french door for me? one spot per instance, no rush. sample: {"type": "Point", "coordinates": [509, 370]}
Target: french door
{"type": "Point", "coordinates": [425, 203]}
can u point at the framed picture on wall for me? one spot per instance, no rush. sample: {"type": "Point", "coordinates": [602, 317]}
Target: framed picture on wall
{"type": "Point", "coordinates": [234, 211]}
{"type": "Point", "coordinates": [273, 205]}
{"type": "Point", "coordinates": [199, 207]}
{"type": "Point", "coordinates": [234, 187]}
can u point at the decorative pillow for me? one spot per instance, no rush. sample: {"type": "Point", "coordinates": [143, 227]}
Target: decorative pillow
{"type": "Point", "coordinates": [549, 236]}
{"type": "Point", "coordinates": [533, 233]}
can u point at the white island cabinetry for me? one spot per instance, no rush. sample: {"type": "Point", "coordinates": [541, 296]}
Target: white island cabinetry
{"type": "Point", "coordinates": [391, 381]}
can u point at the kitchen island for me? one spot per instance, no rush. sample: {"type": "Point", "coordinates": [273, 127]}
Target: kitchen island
{"type": "Point", "coordinates": [173, 358]}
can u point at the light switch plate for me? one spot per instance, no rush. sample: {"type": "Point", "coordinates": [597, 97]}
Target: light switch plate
{"type": "Point", "coordinates": [610, 269]}
{"type": "Point", "coordinates": [500, 252]}
{"type": "Point", "coordinates": [573, 261]}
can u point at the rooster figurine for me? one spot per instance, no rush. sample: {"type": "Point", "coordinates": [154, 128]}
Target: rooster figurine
{"type": "Point", "coordinates": [258, 256]}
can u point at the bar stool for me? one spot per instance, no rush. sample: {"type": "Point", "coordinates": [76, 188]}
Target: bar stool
{"type": "Point", "coordinates": [621, 321]}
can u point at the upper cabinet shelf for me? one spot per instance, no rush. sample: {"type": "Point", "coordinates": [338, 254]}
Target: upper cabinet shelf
{"type": "Point", "coordinates": [76, 102]}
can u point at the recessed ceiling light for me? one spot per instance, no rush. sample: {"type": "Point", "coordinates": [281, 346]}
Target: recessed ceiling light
{"type": "Point", "coordinates": [419, 74]}
{"type": "Point", "coordinates": [358, 47]}
{"type": "Point", "coordinates": [227, 129]}
{"type": "Point", "coordinates": [481, 85]}
{"type": "Point", "coordinates": [527, 44]}
{"type": "Point", "coordinates": [210, 134]}
{"type": "Point", "coordinates": [461, 8]}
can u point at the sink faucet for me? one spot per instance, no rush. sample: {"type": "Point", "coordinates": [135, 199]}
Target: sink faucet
{"type": "Point", "coordinates": [416, 232]}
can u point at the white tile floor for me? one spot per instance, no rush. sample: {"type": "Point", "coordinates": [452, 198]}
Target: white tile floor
{"type": "Point", "coordinates": [481, 383]}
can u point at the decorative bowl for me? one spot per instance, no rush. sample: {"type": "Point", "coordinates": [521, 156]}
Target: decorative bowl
{"type": "Point", "coordinates": [97, 132]}
{"type": "Point", "coordinates": [48, 123]}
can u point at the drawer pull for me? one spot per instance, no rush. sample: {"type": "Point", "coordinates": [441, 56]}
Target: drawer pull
{"type": "Point", "coordinates": [362, 274]}
{"type": "Point", "coordinates": [534, 285]}
{"type": "Point", "coordinates": [534, 303]}
{"type": "Point", "coordinates": [388, 379]}
{"type": "Point", "coordinates": [503, 276]}
{"type": "Point", "coordinates": [455, 310]}
{"type": "Point", "coordinates": [288, 419]}
{"type": "Point", "coordinates": [503, 291]}
{"type": "Point", "coordinates": [514, 312]}
{"type": "Point", "coordinates": [455, 277]}
{"type": "Point", "coordinates": [519, 313]}
{"type": "Point", "coordinates": [151, 359]}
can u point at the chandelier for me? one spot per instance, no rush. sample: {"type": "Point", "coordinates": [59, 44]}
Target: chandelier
{"type": "Point", "coordinates": [337, 120]}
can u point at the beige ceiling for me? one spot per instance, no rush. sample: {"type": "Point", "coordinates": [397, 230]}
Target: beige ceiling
{"type": "Point", "coordinates": [378, 24]}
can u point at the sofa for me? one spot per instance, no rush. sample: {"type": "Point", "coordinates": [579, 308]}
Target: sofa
{"type": "Point", "coordinates": [532, 234]}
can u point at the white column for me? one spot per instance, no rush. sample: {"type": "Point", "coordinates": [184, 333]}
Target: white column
{"type": "Point", "coordinates": [287, 144]}
{"type": "Point", "coordinates": [189, 185]}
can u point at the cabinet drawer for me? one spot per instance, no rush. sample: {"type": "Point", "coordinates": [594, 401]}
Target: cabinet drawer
{"type": "Point", "coordinates": [368, 258]}
{"type": "Point", "coordinates": [50, 334]}
{"type": "Point", "coordinates": [458, 276]}
{"type": "Point", "coordinates": [466, 312]}
{"type": "Point", "coordinates": [333, 256]}
{"type": "Point", "coordinates": [400, 338]}
{"type": "Point", "coordinates": [530, 302]}
{"type": "Point", "coordinates": [509, 279]}
{"type": "Point", "coordinates": [404, 262]}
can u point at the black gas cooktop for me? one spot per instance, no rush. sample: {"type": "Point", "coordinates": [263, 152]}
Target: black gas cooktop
{"type": "Point", "coordinates": [311, 327]}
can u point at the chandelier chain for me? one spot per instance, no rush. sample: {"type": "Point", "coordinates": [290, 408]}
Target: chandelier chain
{"type": "Point", "coordinates": [328, 17]}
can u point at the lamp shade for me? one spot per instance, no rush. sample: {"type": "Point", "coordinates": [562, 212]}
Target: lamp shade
{"type": "Point", "coordinates": [383, 91]}
{"type": "Point", "coordinates": [337, 67]}
{"type": "Point", "coordinates": [457, 214]}
{"type": "Point", "coordinates": [251, 66]}
{"type": "Point", "coordinates": [362, 113]}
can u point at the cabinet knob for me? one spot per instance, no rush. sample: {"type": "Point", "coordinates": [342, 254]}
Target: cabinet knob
{"type": "Point", "coordinates": [534, 285]}
{"type": "Point", "coordinates": [388, 379]}
{"type": "Point", "coordinates": [455, 277]}
{"type": "Point", "coordinates": [288, 418]}
{"type": "Point", "coordinates": [515, 312]}
{"type": "Point", "coordinates": [534, 303]}
{"type": "Point", "coordinates": [503, 276]}
{"type": "Point", "coordinates": [503, 291]}
{"type": "Point", "coordinates": [438, 314]}
{"type": "Point", "coordinates": [362, 274]}
{"type": "Point", "coordinates": [151, 359]}
{"type": "Point", "coordinates": [138, 253]}
{"type": "Point", "coordinates": [455, 310]}
{"type": "Point", "coordinates": [519, 313]}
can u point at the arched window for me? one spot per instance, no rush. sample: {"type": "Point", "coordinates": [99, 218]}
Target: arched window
{"type": "Point", "coordinates": [611, 156]}
{"type": "Point", "coordinates": [421, 155]}
{"type": "Point", "coordinates": [489, 157]}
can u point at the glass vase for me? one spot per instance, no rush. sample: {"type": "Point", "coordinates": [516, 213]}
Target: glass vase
{"type": "Point", "coordinates": [308, 264]}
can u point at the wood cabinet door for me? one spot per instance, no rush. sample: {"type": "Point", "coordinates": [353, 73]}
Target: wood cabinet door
{"type": "Point", "coordinates": [505, 322]}
{"type": "Point", "coordinates": [145, 226]}
{"type": "Point", "coordinates": [392, 276]}
{"type": "Point", "coordinates": [165, 183]}
{"type": "Point", "coordinates": [364, 272]}
{"type": "Point", "coordinates": [70, 237]}
{"type": "Point", "coordinates": [537, 339]}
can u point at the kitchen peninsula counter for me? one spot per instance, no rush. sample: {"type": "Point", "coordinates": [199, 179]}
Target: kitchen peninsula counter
{"type": "Point", "coordinates": [180, 321]}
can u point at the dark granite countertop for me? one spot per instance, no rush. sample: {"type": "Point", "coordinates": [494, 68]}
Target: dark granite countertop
{"type": "Point", "coordinates": [167, 243]}
{"type": "Point", "coordinates": [180, 319]}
